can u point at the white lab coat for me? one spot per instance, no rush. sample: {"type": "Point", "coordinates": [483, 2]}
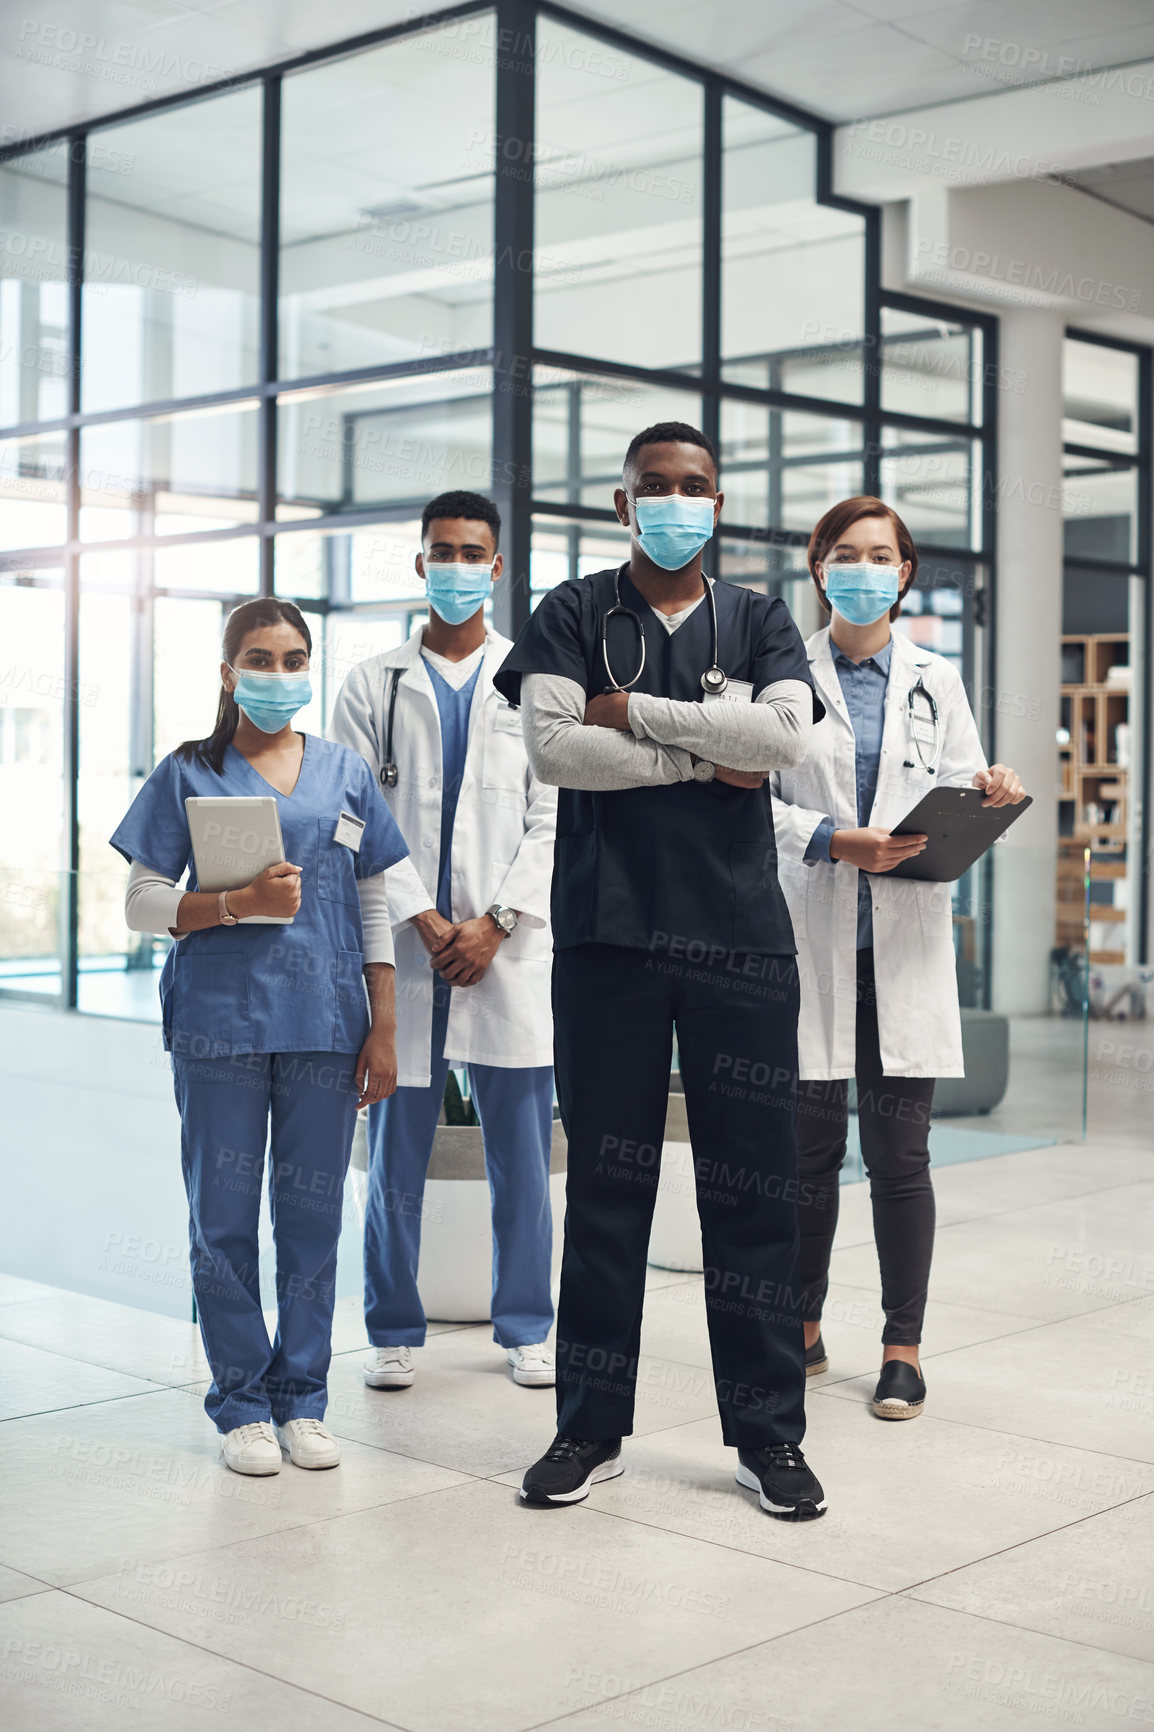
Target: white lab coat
{"type": "Point", "coordinates": [919, 1025]}
{"type": "Point", "coordinates": [502, 852]}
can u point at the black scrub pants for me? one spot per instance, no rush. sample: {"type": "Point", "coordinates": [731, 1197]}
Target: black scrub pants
{"type": "Point", "coordinates": [615, 1010]}
{"type": "Point", "coordinates": [894, 1124]}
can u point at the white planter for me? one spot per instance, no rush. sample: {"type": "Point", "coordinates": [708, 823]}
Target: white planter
{"type": "Point", "coordinates": [455, 1273]}
{"type": "Point", "coordinates": [675, 1241]}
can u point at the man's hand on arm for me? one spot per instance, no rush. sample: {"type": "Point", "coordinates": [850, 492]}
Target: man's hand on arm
{"type": "Point", "coordinates": [609, 710]}
{"type": "Point", "coordinates": [433, 930]}
{"type": "Point", "coordinates": [468, 953]}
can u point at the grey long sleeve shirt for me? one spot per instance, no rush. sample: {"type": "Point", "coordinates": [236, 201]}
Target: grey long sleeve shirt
{"type": "Point", "coordinates": [772, 733]}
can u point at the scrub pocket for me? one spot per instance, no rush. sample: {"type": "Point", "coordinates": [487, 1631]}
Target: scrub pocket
{"type": "Point", "coordinates": [210, 1005]}
{"type": "Point", "coordinates": [350, 1002]}
{"type": "Point", "coordinates": [336, 871]}
{"type": "Point", "coordinates": [753, 869]}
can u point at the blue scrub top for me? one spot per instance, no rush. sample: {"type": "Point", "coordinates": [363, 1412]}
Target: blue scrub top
{"type": "Point", "coordinates": [295, 988]}
{"type": "Point", "coordinates": [453, 706]}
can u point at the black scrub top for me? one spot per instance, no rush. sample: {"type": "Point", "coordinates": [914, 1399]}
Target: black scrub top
{"type": "Point", "coordinates": [692, 864]}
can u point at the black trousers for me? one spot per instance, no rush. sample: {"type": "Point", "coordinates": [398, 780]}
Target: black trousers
{"type": "Point", "coordinates": [615, 1010]}
{"type": "Point", "coordinates": [894, 1124]}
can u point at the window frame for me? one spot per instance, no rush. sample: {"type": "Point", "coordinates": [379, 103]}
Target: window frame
{"type": "Point", "coordinates": [512, 354]}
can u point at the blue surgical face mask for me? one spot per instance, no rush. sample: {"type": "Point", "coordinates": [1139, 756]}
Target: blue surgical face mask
{"type": "Point", "coordinates": [270, 701]}
{"type": "Point", "coordinates": [862, 592]}
{"type": "Point", "coordinates": [673, 528]}
{"type": "Point", "coordinates": [456, 591]}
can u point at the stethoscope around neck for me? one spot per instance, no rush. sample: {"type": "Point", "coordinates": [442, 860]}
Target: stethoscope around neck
{"type": "Point", "coordinates": [930, 763]}
{"type": "Point", "coordinates": [713, 680]}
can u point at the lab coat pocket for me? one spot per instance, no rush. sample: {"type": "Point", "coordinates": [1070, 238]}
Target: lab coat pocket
{"type": "Point", "coordinates": [935, 908]}
{"type": "Point", "coordinates": [210, 1008]}
{"type": "Point", "coordinates": [504, 763]}
{"type": "Point", "coordinates": [336, 872]}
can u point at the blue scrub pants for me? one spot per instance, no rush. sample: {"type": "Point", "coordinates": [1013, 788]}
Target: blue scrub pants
{"type": "Point", "coordinates": [515, 1107]}
{"type": "Point", "coordinates": [226, 1105]}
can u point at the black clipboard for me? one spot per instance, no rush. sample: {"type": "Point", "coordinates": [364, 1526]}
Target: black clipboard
{"type": "Point", "coordinates": [960, 829]}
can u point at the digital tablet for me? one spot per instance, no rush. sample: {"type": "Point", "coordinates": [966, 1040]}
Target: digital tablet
{"type": "Point", "coordinates": [960, 829]}
{"type": "Point", "coordinates": [234, 837]}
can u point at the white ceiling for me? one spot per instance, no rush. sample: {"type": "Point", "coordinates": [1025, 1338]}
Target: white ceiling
{"type": "Point", "coordinates": [64, 61]}
{"type": "Point", "coordinates": [1129, 185]}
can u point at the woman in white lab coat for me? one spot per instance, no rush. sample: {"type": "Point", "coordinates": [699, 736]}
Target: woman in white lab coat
{"type": "Point", "coordinates": [879, 998]}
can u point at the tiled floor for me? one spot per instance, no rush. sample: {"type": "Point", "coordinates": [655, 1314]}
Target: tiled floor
{"type": "Point", "coordinates": [986, 1566]}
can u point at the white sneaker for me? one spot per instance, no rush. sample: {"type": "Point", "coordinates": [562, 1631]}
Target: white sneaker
{"type": "Point", "coordinates": [251, 1448]}
{"type": "Point", "coordinates": [390, 1368]}
{"type": "Point", "coordinates": [533, 1366]}
{"type": "Point", "coordinates": [309, 1443]}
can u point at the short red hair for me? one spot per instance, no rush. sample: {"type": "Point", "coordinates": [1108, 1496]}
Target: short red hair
{"type": "Point", "coordinates": [838, 519]}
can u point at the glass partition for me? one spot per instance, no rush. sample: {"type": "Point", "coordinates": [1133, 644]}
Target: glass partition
{"type": "Point", "coordinates": [33, 292]}
{"type": "Point", "coordinates": [387, 205]}
{"type": "Point", "coordinates": [618, 204]}
{"type": "Point", "coordinates": [169, 475]}
{"type": "Point", "coordinates": [172, 254]}
{"type": "Point", "coordinates": [792, 269]}
{"type": "Point", "coordinates": [32, 851]}
{"type": "Point", "coordinates": [397, 442]}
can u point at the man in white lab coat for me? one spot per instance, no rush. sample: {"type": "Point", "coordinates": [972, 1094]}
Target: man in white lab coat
{"type": "Point", "coordinates": [470, 918]}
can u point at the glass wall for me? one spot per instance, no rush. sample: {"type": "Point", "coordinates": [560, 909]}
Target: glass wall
{"type": "Point", "coordinates": [172, 254]}
{"type": "Point", "coordinates": [1106, 510]}
{"type": "Point", "coordinates": [386, 210]}
{"type": "Point", "coordinates": [300, 309]}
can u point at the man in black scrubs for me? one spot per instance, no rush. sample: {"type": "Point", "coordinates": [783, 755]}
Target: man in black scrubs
{"type": "Point", "coordinates": [659, 704]}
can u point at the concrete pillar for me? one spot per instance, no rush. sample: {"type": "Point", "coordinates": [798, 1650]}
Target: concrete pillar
{"type": "Point", "coordinates": [1023, 706]}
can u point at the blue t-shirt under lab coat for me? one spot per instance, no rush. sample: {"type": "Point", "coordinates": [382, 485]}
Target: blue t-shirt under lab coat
{"type": "Point", "coordinates": [453, 707]}
{"type": "Point", "coordinates": [256, 988]}
{"type": "Point", "coordinates": [863, 686]}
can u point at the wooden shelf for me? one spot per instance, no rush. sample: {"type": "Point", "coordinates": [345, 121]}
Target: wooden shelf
{"type": "Point", "coordinates": [1093, 709]}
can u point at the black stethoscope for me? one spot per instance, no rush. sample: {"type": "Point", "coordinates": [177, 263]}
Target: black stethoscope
{"type": "Point", "coordinates": [930, 763]}
{"type": "Point", "coordinates": [713, 680]}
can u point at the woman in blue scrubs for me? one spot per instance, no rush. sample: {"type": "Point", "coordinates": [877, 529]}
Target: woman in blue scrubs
{"type": "Point", "coordinates": [269, 1025]}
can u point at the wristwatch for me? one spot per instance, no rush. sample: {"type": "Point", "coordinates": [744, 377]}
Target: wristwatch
{"type": "Point", "coordinates": [226, 919]}
{"type": "Point", "coordinates": [703, 770]}
{"type": "Point", "coordinates": [505, 919]}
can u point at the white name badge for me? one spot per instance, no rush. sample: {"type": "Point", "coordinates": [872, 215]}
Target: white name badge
{"type": "Point", "coordinates": [507, 720]}
{"type": "Point", "coordinates": [349, 831]}
{"type": "Point", "coordinates": [736, 692]}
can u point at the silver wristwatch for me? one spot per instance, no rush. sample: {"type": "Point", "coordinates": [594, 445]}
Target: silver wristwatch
{"type": "Point", "coordinates": [504, 918]}
{"type": "Point", "coordinates": [703, 770]}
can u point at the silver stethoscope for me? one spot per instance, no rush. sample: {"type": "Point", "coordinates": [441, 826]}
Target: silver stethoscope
{"type": "Point", "coordinates": [713, 680]}
{"type": "Point", "coordinates": [930, 763]}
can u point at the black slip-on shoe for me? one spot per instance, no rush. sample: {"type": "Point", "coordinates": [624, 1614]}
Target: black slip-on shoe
{"type": "Point", "coordinates": [569, 1467]}
{"type": "Point", "coordinates": [816, 1358]}
{"type": "Point", "coordinates": [901, 1391]}
{"type": "Point", "coordinates": [786, 1487]}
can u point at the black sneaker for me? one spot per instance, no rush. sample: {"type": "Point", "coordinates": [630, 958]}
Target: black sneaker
{"type": "Point", "coordinates": [816, 1358]}
{"type": "Point", "coordinates": [786, 1486]}
{"type": "Point", "coordinates": [901, 1391]}
{"type": "Point", "coordinates": [569, 1467]}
